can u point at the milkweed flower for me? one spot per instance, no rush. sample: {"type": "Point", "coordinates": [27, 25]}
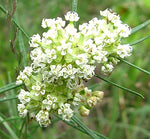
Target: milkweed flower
{"type": "Point", "coordinates": [63, 58]}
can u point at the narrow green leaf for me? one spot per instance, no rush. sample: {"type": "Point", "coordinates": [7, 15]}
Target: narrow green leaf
{"type": "Point", "coordinates": [26, 128]}
{"type": "Point", "coordinates": [14, 21]}
{"type": "Point", "coordinates": [9, 87]}
{"type": "Point", "coordinates": [22, 125]}
{"type": "Point", "coordinates": [119, 86]}
{"type": "Point", "coordinates": [132, 65]}
{"type": "Point", "coordinates": [6, 99]}
{"type": "Point", "coordinates": [3, 10]}
{"type": "Point", "coordinates": [4, 134]}
{"type": "Point", "coordinates": [11, 132]}
{"type": "Point", "coordinates": [83, 126]}
{"type": "Point", "coordinates": [139, 27]}
{"type": "Point", "coordinates": [22, 49]}
{"type": "Point", "coordinates": [72, 124]}
{"type": "Point", "coordinates": [10, 119]}
{"type": "Point", "coordinates": [13, 104]}
{"type": "Point", "coordinates": [140, 40]}
{"type": "Point", "coordinates": [138, 129]}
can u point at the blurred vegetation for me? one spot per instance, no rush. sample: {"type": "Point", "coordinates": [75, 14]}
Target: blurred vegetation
{"type": "Point", "coordinates": [120, 115]}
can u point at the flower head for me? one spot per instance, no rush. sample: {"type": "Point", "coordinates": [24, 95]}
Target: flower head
{"type": "Point", "coordinates": [63, 58]}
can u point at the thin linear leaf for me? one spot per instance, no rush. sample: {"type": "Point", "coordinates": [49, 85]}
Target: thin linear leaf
{"type": "Point", "coordinates": [14, 21]}
{"type": "Point", "coordinates": [83, 126]}
{"type": "Point", "coordinates": [98, 134]}
{"type": "Point", "coordinates": [23, 50]}
{"type": "Point", "coordinates": [13, 104]}
{"type": "Point", "coordinates": [139, 27]}
{"type": "Point", "coordinates": [10, 119]}
{"type": "Point", "coordinates": [119, 86]}
{"type": "Point", "coordinates": [12, 133]}
{"type": "Point", "coordinates": [6, 99]}
{"type": "Point", "coordinates": [34, 129]}
{"type": "Point", "coordinates": [4, 134]}
{"type": "Point", "coordinates": [23, 123]}
{"type": "Point", "coordinates": [140, 40]}
{"type": "Point", "coordinates": [26, 128]}
{"type": "Point", "coordinates": [9, 87]}
{"type": "Point", "coordinates": [72, 124]}
{"type": "Point", "coordinates": [132, 65]}
{"type": "Point", "coordinates": [127, 126]}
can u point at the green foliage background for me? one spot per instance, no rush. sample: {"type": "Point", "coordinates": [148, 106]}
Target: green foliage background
{"type": "Point", "coordinates": [120, 115]}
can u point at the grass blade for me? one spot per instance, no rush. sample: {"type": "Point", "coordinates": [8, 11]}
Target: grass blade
{"type": "Point", "coordinates": [11, 132]}
{"type": "Point", "coordinates": [14, 21]}
{"type": "Point", "coordinates": [9, 87]}
{"type": "Point", "coordinates": [140, 40]}
{"type": "Point", "coordinates": [132, 65]}
{"type": "Point", "coordinates": [6, 99]}
{"type": "Point", "coordinates": [22, 49]}
{"type": "Point", "coordinates": [139, 27]}
{"type": "Point", "coordinates": [119, 86]}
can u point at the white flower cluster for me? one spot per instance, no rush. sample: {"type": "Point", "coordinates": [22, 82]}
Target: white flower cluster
{"type": "Point", "coordinates": [62, 58]}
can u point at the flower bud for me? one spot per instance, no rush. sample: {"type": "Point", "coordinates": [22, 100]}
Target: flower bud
{"type": "Point", "coordinates": [99, 94]}
{"type": "Point", "coordinates": [84, 111]}
{"type": "Point", "coordinates": [92, 101]}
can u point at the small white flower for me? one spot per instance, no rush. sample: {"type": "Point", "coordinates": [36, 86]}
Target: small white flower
{"type": "Point", "coordinates": [18, 82]}
{"type": "Point", "coordinates": [65, 111]}
{"type": "Point", "coordinates": [124, 30]}
{"type": "Point", "coordinates": [22, 110]}
{"type": "Point", "coordinates": [107, 68]}
{"type": "Point", "coordinates": [60, 22]}
{"type": "Point", "coordinates": [35, 40]}
{"type": "Point", "coordinates": [82, 59]}
{"type": "Point", "coordinates": [28, 71]}
{"type": "Point", "coordinates": [105, 13]}
{"type": "Point", "coordinates": [24, 96]}
{"type": "Point", "coordinates": [72, 16]}
{"type": "Point", "coordinates": [48, 23]}
{"type": "Point", "coordinates": [77, 99]}
{"type": "Point", "coordinates": [124, 50]}
{"type": "Point", "coordinates": [43, 118]}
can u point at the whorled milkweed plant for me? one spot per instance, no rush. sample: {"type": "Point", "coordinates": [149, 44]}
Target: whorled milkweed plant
{"type": "Point", "coordinates": [62, 58]}
{"type": "Point", "coordinates": [65, 56]}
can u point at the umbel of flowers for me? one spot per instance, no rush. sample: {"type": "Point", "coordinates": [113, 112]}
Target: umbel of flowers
{"type": "Point", "coordinates": [62, 58]}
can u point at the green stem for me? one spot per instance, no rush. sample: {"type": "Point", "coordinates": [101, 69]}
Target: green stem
{"type": "Point", "coordinates": [121, 87]}
{"type": "Point", "coordinates": [74, 5]}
